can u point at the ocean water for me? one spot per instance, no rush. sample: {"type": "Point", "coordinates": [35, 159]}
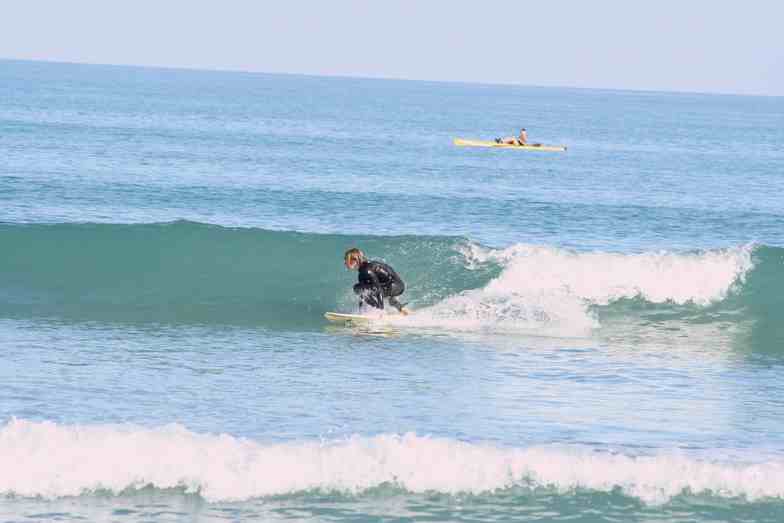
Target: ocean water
{"type": "Point", "coordinates": [598, 335]}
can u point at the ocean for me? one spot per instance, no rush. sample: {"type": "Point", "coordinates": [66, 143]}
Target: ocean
{"type": "Point", "coordinates": [596, 336]}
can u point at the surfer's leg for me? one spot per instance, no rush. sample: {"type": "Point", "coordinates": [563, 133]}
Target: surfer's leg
{"type": "Point", "coordinates": [396, 304]}
{"type": "Point", "coordinates": [393, 290]}
{"type": "Point", "coordinates": [368, 294]}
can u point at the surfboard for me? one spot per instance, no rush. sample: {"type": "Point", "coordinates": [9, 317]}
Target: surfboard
{"type": "Point", "coordinates": [461, 142]}
{"type": "Point", "coordinates": [357, 319]}
{"type": "Point", "coordinates": [348, 319]}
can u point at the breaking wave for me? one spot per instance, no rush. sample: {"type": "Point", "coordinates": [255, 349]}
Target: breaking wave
{"type": "Point", "coordinates": [196, 273]}
{"type": "Point", "coordinates": [50, 460]}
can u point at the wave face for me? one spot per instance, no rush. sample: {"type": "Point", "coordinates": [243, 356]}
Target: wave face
{"type": "Point", "coordinates": [87, 459]}
{"type": "Point", "coordinates": [191, 272]}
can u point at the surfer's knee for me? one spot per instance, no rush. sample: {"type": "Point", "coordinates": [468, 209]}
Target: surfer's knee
{"type": "Point", "coordinates": [397, 288]}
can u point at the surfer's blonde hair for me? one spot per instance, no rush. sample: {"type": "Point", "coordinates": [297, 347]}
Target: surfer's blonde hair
{"type": "Point", "coordinates": [354, 253]}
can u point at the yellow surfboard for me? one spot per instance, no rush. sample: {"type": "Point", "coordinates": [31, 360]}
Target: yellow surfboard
{"type": "Point", "coordinates": [461, 142]}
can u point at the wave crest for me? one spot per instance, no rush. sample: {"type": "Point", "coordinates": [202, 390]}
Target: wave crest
{"type": "Point", "coordinates": [553, 291]}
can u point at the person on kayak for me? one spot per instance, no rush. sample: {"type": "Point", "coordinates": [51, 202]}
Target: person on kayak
{"type": "Point", "coordinates": [377, 281]}
{"type": "Point", "coordinates": [511, 140]}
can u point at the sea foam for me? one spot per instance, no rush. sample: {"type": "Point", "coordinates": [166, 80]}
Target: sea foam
{"type": "Point", "coordinates": [551, 290]}
{"type": "Point", "coordinates": [51, 460]}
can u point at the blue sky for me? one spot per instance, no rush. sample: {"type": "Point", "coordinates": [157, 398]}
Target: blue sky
{"type": "Point", "coordinates": [688, 45]}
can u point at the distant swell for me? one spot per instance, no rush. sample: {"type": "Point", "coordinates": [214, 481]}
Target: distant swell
{"type": "Point", "coordinates": [190, 272]}
{"type": "Point", "coordinates": [51, 460]}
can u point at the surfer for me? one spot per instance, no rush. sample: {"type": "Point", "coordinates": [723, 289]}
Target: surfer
{"type": "Point", "coordinates": [377, 281]}
{"type": "Point", "coordinates": [511, 140]}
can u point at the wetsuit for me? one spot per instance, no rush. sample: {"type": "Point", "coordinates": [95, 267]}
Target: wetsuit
{"type": "Point", "coordinates": [378, 281]}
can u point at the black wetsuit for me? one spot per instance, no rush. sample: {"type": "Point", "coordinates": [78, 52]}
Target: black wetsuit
{"type": "Point", "coordinates": [378, 281]}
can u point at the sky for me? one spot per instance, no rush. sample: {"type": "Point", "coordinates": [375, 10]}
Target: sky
{"type": "Point", "coordinates": [664, 45]}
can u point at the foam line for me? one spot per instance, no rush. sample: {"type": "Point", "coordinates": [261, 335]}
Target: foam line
{"type": "Point", "coordinates": [50, 460]}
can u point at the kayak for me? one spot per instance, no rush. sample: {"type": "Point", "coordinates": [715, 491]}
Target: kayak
{"type": "Point", "coordinates": [529, 146]}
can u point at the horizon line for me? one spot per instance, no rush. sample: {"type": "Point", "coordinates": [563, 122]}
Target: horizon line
{"type": "Point", "coordinates": [388, 78]}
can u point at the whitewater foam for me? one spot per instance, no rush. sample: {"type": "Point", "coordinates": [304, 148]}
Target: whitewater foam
{"type": "Point", "coordinates": [50, 460]}
{"type": "Point", "coordinates": [552, 290]}
{"type": "Point", "coordinates": [601, 277]}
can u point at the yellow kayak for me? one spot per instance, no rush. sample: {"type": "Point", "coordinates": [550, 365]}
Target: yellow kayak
{"type": "Point", "coordinates": [532, 146]}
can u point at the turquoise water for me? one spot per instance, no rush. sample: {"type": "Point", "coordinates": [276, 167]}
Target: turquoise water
{"type": "Point", "coordinates": [598, 334]}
